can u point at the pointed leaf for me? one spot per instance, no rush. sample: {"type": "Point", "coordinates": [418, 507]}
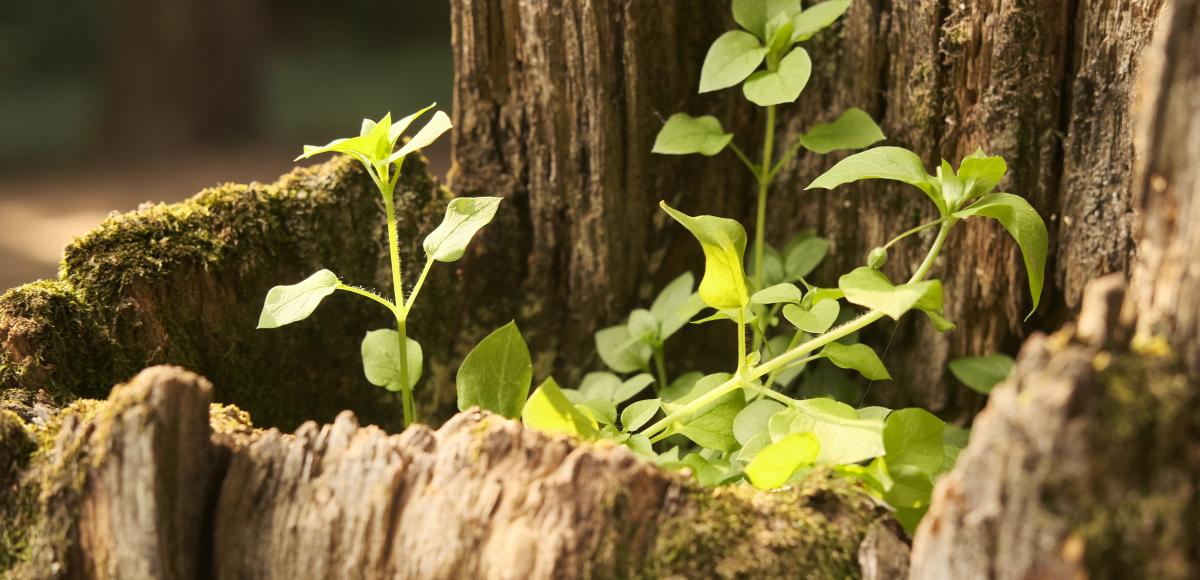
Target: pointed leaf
{"type": "Point", "coordinates": [858, 357]}
{"type": "Point", "coordinates": [619, 352]}
{"type": "Point", "coordinates": [774, 465]}
{"type": "Point", "coordinates": [804, 256]}
{"type": "Point", "coordinates": [782, 85]}
{"type": "Point", "coordinates": [817, 18]}
{"type": "Point", "coordinates": [855, 129]}
{"type": "Point", "coordinates": [1023, 223]}
{"type": "Point", "coordinates": [724, 244]}
{"type": "Point", "coordinates": [981, 173]}
{"type": "Point", "coordinates": [753, 15]}
{"type": "Point", "coordinates": [440, 123]}
{"type": "Point", "coordinates": [464, 217]}
{"type": "Point", "coordinates": [914, 437]}
{"type": "Point", "coordinates": [638, 414]}
{"type": "Point", "coordinates": [549, 411]}
{"type": "Point", "coordinates": [892, 163]}
{"type": "Point", "coordinates": [497, 373]}
{"type": "Point", "coordinates": [779, 293]}
{"type": "Point", "coordinates": [288, 304]}
{"type": "Point", "coordinates": [399, 127]}
{"type": "Point", "coordinates": [982, 373]}
{"type": "Point", "coordinates": [684, 134]}
{"type": "Point", "coordinates": [381, 359]}
{"type": "Point", "coordinates": [730, 59]}
{"type": "Point", "coordinates": [631, 387]}
{"type": "Point", "coordinates": [870, 288]}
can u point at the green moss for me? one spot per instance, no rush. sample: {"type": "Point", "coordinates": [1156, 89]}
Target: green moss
{"type": "Point", "coordinates": [810, 531]}
{"type": "Point", "coordinates": [183, 283]}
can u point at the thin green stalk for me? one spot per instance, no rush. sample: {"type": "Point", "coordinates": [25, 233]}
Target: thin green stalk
{"type": "Point", "coordinates": [740, 380]}
{"type": "Point", "coordinates": [741, 341]}
{"type": "Point", "coordinates": [660, 363]}
{"type": "Point", "coordinates": [371, 295]}
{"type": "Point", "coordinates": [412, 296]}
{"type": "Point", "coordinates": [386, 187]}
{"type": "Point", "coordinates": [760, 221]}
{"type": "Point", "coordinates": [917, 229]}
{"type": "Point", "coordinates": [745, 160]}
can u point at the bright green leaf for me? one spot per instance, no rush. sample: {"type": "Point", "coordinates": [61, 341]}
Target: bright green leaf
{"type": "Point", "coordinates": [778, 35]}
{"type": "Point", "coordinates": [724, 243]}
{"type": "Point", "coordinates": [774, 465]}
{"type": "Point", "coordinates": [853, 130]}
{"type": "Point", "coordinates": [753, 15]}
{"type": "Point", "coordinates": [549, 411]}
{"type": "Point", "coordinates": [894, 163]}
{"type": "Point", "coordinates": [782, 85]}
{"type": "Point", "coordinates": [871, 288]}
{"type": "Point", "coordinates": [815, 320]}
{"type": "Point", "coordinates": [858, 357]}
{"type": "Point", "coordinates": [982, 373]}
{"type": "Point", "coordinates": [464, 217]}
{"type": "Point", "coordinates": [714, 429]}
{"type": "Point", "coordinates": [816, 18]}
{"type": "Point", "coordinates": [603, 411]}
{"type": "Point", "coordinates": [1023, 223]}
{"type": "Point", "coordinates": [440, 123]}
{"type": "Point", "coordinates": [914, 437]}
{"type": "Point", "coordinates": [497, 373]}
{"type": "Point", "coordinates": [981, 173]}
{"type": "Point", "coordinates": [638, 414]}
{"type": "Point", "coordinates": [619, 352]}
{"type": "Point", "coordinates": [288, 304]}
{"type": "Point", "coordinates": [381, 359]}
{"type": "Point", "coordinates": [730, 59]}
{"type": "Point", "coordinates": [752, 421]}
{"type": "Point", "coordinates": [399, 127]}
{"type": "Point", "coordinates": [684, 134]}
{"type": "Point", "coordinates": [779, 293]}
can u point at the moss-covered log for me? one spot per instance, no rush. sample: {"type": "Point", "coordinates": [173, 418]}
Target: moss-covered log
{"type": "Point", "coordinates": [155, 482]}
{"type": "Point", "coordinates": [183, 284]}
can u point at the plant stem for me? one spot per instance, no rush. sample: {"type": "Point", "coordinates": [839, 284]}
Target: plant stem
{"type": "Point", "coordinates": [776, 364]}
{"type": "Point", "coordinates": [410, 411]}
{"type": "Point", "coordinates": [919, 228]}
{"type": "Point", "coordinates": [412, 296]}
{"type": "Point", "coordinates": [741, 367]}
{"type": "Point", "coordinates": [371, 295]}
{"type": "Point", "coordinates": [745, 160]}
{"type": "Point", "coordinates": [660, 363]}
{"type": "Point", "coordinates": [387, 188]}
{"type": "Point", "coordinates": [760, 221]}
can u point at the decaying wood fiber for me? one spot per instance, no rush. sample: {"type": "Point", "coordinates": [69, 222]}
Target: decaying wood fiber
{"type": "Point", "coordinates": [156, 483]}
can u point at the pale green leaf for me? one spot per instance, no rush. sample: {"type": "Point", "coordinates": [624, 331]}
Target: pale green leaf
{"type": "Point", "coordinates": [752, 447]}
{"type": "Point", "coordinates": [288, 304]}
{"type": "Point", "coordinates": [778, 35]}
{"type": "Point", "coordinates": [684, 134]}
{"type": "Point", "coordinates": [399, 127]}
{"type": "Point", "coordinates": [604, 412]}
{"type": "Point", "coordinates": [640, 444]}
{"type": "Point", "coordinates": [1023, 223]}
{"type": "Point", "coordinates": [497, 373]}
{"type": "Point", "coordinates": [676, 305]}
{"type": "Point", "coordinates": [804, 256]}
{"type": "Point", "coordinates": [381, 359]}
{"type": "Point", "coordinates": [642, 326]}
{"type": "Point", "coordinates": [892, 163]}
{"type": "Point", "coordinates": [752, 421]}
{"type": "Point", "coordinates": [730, 59]}
{"type": "Point", "coordinates": [853, 130]}
{"type": "Point", "coordinates": [782, 85]}
{"type": "Point", "coordinates": [713, 429]}
{"type": "Point", "coordinates": [774, 465]}
{"type": "Point", "coordinates": [549, 411]}
{"type": "Point", "coordinates": [779, 293]}
{"type": "Point", "coordinates": [631, 387]}
{"type": "Point", "coordinates": [817, 18]}
{"type": "Point", "coordinates": [440, 123]}
{"type": "Point", "coordinates": [619, 352]}
{"type": "Point", "coordinates": [724, 243]}
{"type": "Point", "coordinates": [871, 288]}
{"type": "Point", "coordinates": [858, 357]}
{"type": "Point", "coordinates": [982, 373]}
{"type": "Point", "coordinates": [599, 385]}
{"type": "Point", "coordinates": [981, 173]}
{"type": "Point", "coordinates": [914, 437]}
{"type": "Point", "coordinates": [681, 386]}
{"type": "Point", "coordinates": [464, 217]}
{"type": "Point", "coordinates": [753, 15]}
{"type": "Point", "coordinates": [815, 320]}
{"type": "Point", "coordinates": [638, 414]}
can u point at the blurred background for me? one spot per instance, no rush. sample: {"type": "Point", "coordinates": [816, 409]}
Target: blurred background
{"type": "Point", "coordinates": [105, 105]}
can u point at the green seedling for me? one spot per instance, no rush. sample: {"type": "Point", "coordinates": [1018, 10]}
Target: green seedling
{"type": "Point", "coordinates": [391, 359]}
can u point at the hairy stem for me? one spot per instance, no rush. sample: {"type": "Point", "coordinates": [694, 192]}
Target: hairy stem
{"type": "Point", "coordinates": [387, 188]}
{"type": "Point", "coordinates": [371, 295]}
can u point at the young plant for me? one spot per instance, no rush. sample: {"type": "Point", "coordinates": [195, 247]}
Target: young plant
{"type": "Point", "coordinates": [391, 359]}
{"type": "Point", "coordinates": [765, 57]}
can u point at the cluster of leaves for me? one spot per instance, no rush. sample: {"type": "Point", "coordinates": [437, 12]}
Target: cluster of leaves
{"type": "Point", "coordinates": [391, 359]}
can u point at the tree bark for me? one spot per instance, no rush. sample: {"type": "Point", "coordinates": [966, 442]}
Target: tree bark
{"type": "Point", "coordinates": [1084, 463]}
{"type": "Point", "coordinates": [152, 484]}
{"type": "Point", "coordinates": [559, 104]}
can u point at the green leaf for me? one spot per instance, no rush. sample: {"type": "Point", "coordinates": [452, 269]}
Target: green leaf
{"type": "Point", "coordinates": [981, 173]}
{"type": "Point", "coordinates": [871, 288]}
{"type": "Point", "coordinates": [1023, 223]}
{"type": "Point", "coordinates": [370, 146]}
{"type": "Point", "coordinates": [638, 414]}
{"type": "Point", "coordinates": [774, 465]}
{"type": "Point", "coordinates": [701, 386]}
{"type": "Point", "coordinates": [714, 428]}
{"type": "Point", "coordinates": [815, 320]}
{"type": "Point", "coordinates": [381, 359]}
{"type": "Point", "coordinates": [730, 59]}
{"type": "Point", "coordinates": [399, 127]}
{"type": "Point", "coordinates": [816, 18]}
{"type": "Point", "coordinates": [288, 304]}
{"type": "Point", "coordinates": [724, 243]}
{"type": "Point", "coordinates": [640, 444]}
{"type": "Point", "coordinates": [845, 437]}
{"type": "Point", "coordinates": [853, 130]}
{"type": "Point", "coordinates": [681, 386]}
{"type": "Point", "coordinates": [952, 187]}
{"type": "Point", "coordinates": [631, 387]}
{"type": "Point", "coordinates": [642, 326]}
{"type": "Point", "coordinates": [914, 437]}
{"type": "Point", "coordinates": [858, 357]}
{"type": "Point", "coordinates": [440, 123]}
{"type": "Point", "coordinates": [549, 411]}
{"type": "Point", "coordinates": [779, 293]}
{"type": "Point", "coordinates": [752, 421]}
{"type": "Point", "coordinates": [778, 35]}
{"type": "Point", "coordinates": [464, 217]}
{"type": "Point", "coordinates": [752, 447]}
{"type": "Point", "coordinates": [892, 163]}
{"type": "Point", "coordinates": [619, 352]}
{"type": "Point", "coordinates": [804, 256]}
{"type": "Point", "coordinates": [753, 15]}
{"type": "Point", "coordinates": [684, 134]}
{"type": "Point", "coordinates": [982, 373]}
{"type": "Point", "coordinates": [602, 411]}
{"type": "Point", "coordinates": [676, 305]}
{"type": "Point", "coordinates": [497, 373]}
{"type": "Point", "coordinates": [782, 85]}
